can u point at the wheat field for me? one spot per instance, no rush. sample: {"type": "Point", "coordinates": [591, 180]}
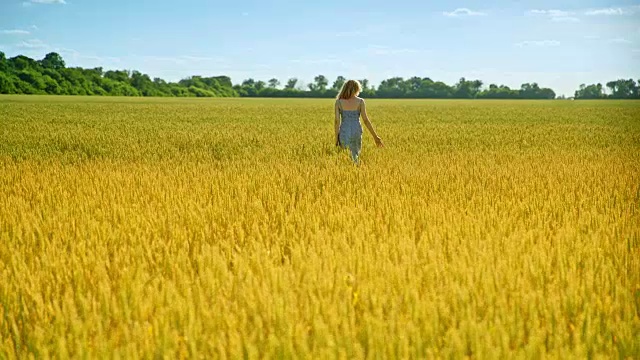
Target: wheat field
{"type": "Point", "coordinates": [232, 228]}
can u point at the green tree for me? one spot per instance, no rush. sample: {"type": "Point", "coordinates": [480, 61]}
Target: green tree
{"type": "Point", "coordinates": [51, 86]}
{"type": "Point", "coordinates": [6, 84]}
{"type": "Point", "coordinates": [320, 83]}
{"type": "Point", "coordinates": [52, 61]}
{"type": "Point", "coordinates": [117, 75]}
{"type": "Point", "coordinates": [392, 88]}
{"type": "Point", "coordinates": [142, 82]}
{"type": "Point", "coordinates": [199, 92]}
{"type": "Point", "coordinates": [613, 85]}
{"type": "Point", "coordinates": [337, 85]}
{"type": "Point", "coordinates": [291, 83]}
{"type": "Point", "coordinates": [274, 83]}
{"type": "Point", "coordinates": [22, 62]}
{"type": "Point", "coordinates": [249, 82]}
{"type": "Point", "coordinates": [623, 89]}
{"type": "Point", "coordinates": [23, 87]}
{"type": "Point", "coordinates": [32, 78]}
{"type": "Point", "coordinates": [593, 91]}
{"type": "Point", "coordinates": [413, 85]}
{"type": "Point", "coordinates": [248, 88]}
{"type": "Point", "coordinates": [465, 89]}
{"type": "Point", "coordinates": [534, 91]}
{"type": "Point", "coordinates": [4, 65]}
{"type": "Point", "coordinates": [498, 92]}
{"type": "Point", "coordinates": [259, 85]}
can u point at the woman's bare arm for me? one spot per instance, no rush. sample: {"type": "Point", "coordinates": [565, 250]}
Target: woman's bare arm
{"type": "Point", "coordinates": [336, 123]}
{"type": "Point", "coordinates": [367, 123]}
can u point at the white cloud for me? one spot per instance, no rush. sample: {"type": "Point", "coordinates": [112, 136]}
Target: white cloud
{"type": "Point", "coordinates": [463, 12]}
{"type": "Point", "coordinates": [607, 11]}
{"type": "Point", "coordinates": [15, 32]}
{"type": "Point", "coordinates": [550, 13]}
{"type": "Point", "coordinates": [538, 43]}
{"type": "Point", "coordinates": [32, 44]}
{"type": "Point", "coordinates": [31, 2]}
{"type": "Point", "coordinates": [556, 15]}
{"type": "Point", "coordinates": [33, 27]}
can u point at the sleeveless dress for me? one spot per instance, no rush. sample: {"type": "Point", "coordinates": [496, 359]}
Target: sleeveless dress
{"type": "Point", "coordinates": [350, 134]}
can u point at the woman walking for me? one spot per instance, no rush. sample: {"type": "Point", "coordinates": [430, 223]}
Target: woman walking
{"type": "Point", "coordinates": [348, 109]}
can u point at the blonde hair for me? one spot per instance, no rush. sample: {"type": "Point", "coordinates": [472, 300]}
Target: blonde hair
{"type": "Point", "coordinates": [349, 89]}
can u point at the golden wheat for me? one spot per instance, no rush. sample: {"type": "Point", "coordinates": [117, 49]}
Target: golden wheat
{"type": "Point", "coordinates": [232, 228]}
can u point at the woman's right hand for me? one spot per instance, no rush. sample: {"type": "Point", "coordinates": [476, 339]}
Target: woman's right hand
{"type": "Point", "coordinates": [379, 142]}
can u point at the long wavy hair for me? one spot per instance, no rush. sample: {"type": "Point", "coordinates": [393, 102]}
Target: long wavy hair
{"type": "Point", "coordinates": [350, 89]}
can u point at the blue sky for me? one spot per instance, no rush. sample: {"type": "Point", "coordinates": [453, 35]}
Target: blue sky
{"type": "Point", "coordinates": [558, 44]}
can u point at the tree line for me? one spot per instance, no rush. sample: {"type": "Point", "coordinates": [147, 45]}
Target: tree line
{"type": "Point", "coordinates": [395, 87]}
{"type": "Point", "coordinates": [619, 89]}
{"type": "Point", "coordinates": [23, 75]}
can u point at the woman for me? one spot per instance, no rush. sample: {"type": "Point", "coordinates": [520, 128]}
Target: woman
{"type": "Point", "coordinates": [348, 109]}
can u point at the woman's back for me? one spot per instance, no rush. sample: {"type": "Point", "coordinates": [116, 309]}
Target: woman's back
{"type": "Point", "coordinates": [352, 104]}
{"type": "Point", "coordinates": [350, 108]}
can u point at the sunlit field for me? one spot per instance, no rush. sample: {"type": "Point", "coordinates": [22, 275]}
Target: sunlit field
{"type": "Point", "coordinates": [233, 228]}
